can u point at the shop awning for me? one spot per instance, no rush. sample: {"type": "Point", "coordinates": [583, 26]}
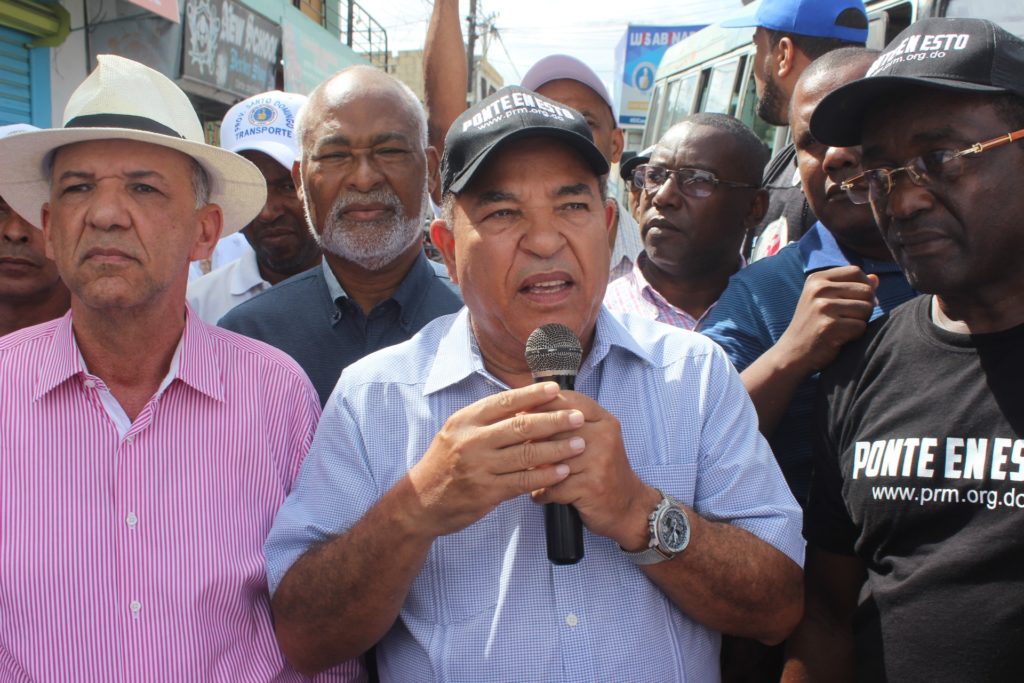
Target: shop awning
{"type": "Point", "coordinates": [49, 23]}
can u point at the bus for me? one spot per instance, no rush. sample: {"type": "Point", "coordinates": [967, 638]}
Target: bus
{"type": "Point", "coordinates": [712, 70]}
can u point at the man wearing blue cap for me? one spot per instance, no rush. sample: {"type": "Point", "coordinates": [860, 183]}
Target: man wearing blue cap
{"type": "Point", "coordinates": [917, 498]}
{"type": "Point", "coordinates": [789, 35]}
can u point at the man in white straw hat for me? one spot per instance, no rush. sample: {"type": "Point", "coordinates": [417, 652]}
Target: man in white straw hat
{"type": "Point", "coordinates": [143, 453]}
{"type": "Point", "coordinates": [262, 129]}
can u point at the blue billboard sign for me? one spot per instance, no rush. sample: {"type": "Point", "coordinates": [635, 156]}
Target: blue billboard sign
{"type": "Point", "coordinates": [636, 61]}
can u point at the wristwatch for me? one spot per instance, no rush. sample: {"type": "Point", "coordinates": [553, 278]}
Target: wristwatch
{"type": "Point", "coordinates": [670, 533]}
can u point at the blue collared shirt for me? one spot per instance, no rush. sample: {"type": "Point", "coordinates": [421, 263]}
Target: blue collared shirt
{"type": "Point", "coordinates": [487, 604]}
{"type": "Point", "coordinates": [757, 307]}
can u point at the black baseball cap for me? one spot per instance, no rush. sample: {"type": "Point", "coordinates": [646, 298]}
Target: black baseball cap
{"type": "Point", "coordinates": [512, 113]}
{"type": "Point", "coordinates": [630, 162]}
{"type": "Point", "coordinates": [959, 55]}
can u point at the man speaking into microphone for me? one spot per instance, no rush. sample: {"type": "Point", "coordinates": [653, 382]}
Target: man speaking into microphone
{"type": "Point", "coordinates": [416, 522]}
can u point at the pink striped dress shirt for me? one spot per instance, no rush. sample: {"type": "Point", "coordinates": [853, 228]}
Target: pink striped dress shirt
{"type": "Point", "coordinates": [631, 293]}
{"type": "Point", "coordinates": [141, 558]}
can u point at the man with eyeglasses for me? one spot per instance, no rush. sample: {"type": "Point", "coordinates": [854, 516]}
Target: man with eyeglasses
{"type": "Point", "coordinates": [918, 493]}
{"type": "Point", "coordinates": [784, 318]}
{"type": "Point", "coordinates": [701, 193]}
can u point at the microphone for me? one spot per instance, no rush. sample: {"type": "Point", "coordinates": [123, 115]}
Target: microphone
{"type": "Point", "coordinates": [554, 354]}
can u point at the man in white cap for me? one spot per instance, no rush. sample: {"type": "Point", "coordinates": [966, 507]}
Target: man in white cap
{"type": "Point", "coordinates": [31, 291]}
{"type": "Point", "coordinates": [143, 453]}
{"type": "Point", "coordinates": [262, 129]}
{"type": "Point", "coordinates": [564, 79]}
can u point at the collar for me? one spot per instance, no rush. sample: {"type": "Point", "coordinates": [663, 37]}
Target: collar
{"type": "Point", "coordinates": [628, 243]}
{"type": "Point", "coordinates": [246, 275]}
{"type": "Point", "coordinates": [198, 364]}
{"type": "Point", "coordinates": [412, 291]}
{"type": "Point", "coordinates": [461, 357]}
{"type": "Point", "coordinates": [819, 250]}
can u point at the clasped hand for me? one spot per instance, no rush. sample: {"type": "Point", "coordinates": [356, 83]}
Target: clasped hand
{"type": "Point", "coordinates": [559, 446]}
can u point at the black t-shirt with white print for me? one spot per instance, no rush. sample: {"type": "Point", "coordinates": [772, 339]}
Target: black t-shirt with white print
{"type": "Point", "coordinates": [919, 471]}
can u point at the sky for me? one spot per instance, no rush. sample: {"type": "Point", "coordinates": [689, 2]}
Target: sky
{"type": "Point", "coordinates": [532, 29]}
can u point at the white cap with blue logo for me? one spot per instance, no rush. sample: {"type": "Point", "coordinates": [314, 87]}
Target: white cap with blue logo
{"type": "Point", "coordinates": [264, 123]}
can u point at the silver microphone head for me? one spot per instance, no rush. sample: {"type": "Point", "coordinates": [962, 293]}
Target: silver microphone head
{"type": "Point", "coordinates": [553, 350]}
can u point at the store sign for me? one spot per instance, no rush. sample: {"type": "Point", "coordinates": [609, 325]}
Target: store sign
{"type": "Point", "coordinates": [230, 47]}
{"type": "Point", "coordinates": [636, 59]}
{"type": "Point", "coordinates": [168, 9]}
{"type": "Point", "coordinates": [310, 53]}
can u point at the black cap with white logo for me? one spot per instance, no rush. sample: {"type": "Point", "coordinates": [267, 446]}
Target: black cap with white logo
{"type": "Point", "coordinates": [512, 113]}
{"type": "Point", "coordinates": [963, 55]}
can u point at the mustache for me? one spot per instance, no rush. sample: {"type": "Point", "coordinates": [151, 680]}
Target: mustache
{"type": "Point", "coordinates": [22, 253]}
{"type": "Point", "coordinates": [381, 195]}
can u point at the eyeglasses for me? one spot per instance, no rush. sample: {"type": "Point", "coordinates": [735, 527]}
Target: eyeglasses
{"type": "Point", "coordinates": [692, 182]}
{"type": "Point", "coordinates": [936, 167]}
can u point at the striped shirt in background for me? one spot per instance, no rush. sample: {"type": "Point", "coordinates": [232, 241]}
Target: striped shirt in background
{"type": "Point", "coordinates": [633, 294]}
{"type": "Point", "coordinates": [140, 557]}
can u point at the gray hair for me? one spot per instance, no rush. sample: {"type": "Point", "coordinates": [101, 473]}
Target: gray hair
{"type": "Point", "coordinates": [200, 184]}
{"type": "Point", "coordinates": [411, 100]}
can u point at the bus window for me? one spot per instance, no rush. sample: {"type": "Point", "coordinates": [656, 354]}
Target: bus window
{"type": "Point", "coordinates": [1009, 15]}
{"type": "Point", "coordinates": [748, 114]}
{"type": "Point", "coordinates": [678, 103]}
{"type": "Point", "coordinates": [684, 101]}
{"type": "Point", "coordinates": [718, 96]}
{"type": "Point", "coordinates": [665, 120]}
{"type": "Point", "coordinates": [653, 115]}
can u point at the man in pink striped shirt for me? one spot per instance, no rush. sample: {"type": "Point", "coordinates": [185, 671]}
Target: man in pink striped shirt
{"type": "Point", "coordinates": [143, 453]}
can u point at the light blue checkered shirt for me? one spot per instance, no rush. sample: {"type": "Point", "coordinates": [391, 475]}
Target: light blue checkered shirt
{"type": "Point", "coordinates": [487, 605]}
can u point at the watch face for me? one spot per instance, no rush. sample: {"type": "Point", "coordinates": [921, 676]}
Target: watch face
{"type": "Point", "coordinates": [674, 530]}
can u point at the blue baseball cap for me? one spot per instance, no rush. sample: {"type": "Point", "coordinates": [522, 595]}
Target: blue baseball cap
{"type": "Point", "coordinates": [818, 18]}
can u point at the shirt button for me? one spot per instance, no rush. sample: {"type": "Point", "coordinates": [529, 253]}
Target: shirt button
{"type": "Point", "coordinates": [131, 520]}
{"type": "Point", "coordinates": [129, 439]}
{"type": "Point", "coordinates": [135, 607]}
{"type": "Point", "coordinates": [572, 620]}
{"type": "Point", "coordinates": [89, 384]}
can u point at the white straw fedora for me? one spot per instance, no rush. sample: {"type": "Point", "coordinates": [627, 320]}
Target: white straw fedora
{"type": "Point", "coordinates": [124, 100]}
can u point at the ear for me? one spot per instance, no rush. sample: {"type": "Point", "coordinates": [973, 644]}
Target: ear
{"type": "Point", "coordinates": [785, 57]}
{"type": "Point", "coordinates": [757, 209]}
{"type": "Point", "coordinates": [44, 220]}
{"type": "Point", "coordinates": [444, 239]}
{"type": "Point", "coordinates": [297, 177]}
{"type": "Point", "coordinates": [433, 174]}
{"type": "Point", "coordinates": [611, 219]}
{"type": "Point", "coordinates": [618, 144]}
{"type": "Point", "coordinates": [211, 223]}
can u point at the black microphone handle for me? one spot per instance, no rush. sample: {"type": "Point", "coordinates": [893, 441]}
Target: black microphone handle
{"type": "Point", "coordinates": [563, 527]}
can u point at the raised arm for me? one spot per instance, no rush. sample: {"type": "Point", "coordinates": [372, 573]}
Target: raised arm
{"type": "Point", "coordinates": [444, 70]}
{"type": "Point", "coordinates": [834, 308]}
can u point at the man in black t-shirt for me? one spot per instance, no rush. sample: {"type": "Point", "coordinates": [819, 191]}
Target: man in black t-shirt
{"type": "Point", "coordinates": [915, 562]}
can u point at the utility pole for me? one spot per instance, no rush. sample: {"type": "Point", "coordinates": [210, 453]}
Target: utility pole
{"type": "Point", "coordinates": [470, 47]}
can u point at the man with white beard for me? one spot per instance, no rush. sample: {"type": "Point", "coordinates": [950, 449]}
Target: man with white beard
{"type": "Point", "coordinates": [365, 173]}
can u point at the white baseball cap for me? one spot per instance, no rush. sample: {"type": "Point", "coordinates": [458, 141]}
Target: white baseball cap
{"type": "Point", "coordinates": [557, 67]}
{"type": "Point", "coordinates": [264, 123]}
